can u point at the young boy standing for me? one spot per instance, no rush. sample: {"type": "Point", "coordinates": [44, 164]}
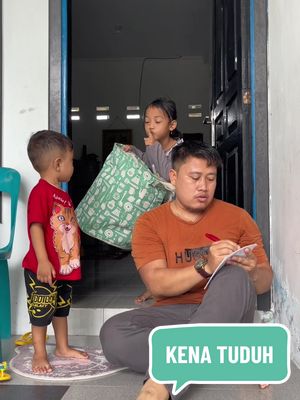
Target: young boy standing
{"type": "Point", "coordinates": [53, 259]}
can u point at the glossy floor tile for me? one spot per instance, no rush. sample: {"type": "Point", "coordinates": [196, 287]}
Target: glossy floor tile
{"type": "Point", "coordinates": [31, 392]}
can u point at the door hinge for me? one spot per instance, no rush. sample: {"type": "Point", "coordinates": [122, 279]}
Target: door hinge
{"type": "Point", "coordinates": [246, 96]}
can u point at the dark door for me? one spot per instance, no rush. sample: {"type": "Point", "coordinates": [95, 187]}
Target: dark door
{"type": "Point", "coordinates": [230, 108]}
{"type": "Point", "coordinates": [230, 105]}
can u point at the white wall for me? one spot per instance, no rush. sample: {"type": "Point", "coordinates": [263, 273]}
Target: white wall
{"type": "Point", "coordinates": [284, 144]}
{"type": "Point", "coordinates": [25, 110]}
{"type": "Point", "coordinates": [116, 83]}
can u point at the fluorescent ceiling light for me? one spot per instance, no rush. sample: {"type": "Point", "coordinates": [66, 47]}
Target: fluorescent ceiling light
{"type": "Point", "coordinates": [133, 116]}
{"type": "Point", "coordinates": [195, 115]}
{"type": "Point", "coordinates": [194, 106]}
{"type": "Point", "coordinates": [75, 117]}
{"type": "Point", "coordinates": [102, 117]}
{"type": "Point", "coordinates": [75, 109]}
{"type": "Point", "coordinates": [132, 108]}
{"type": "Point", "coordinates": [102, 108]}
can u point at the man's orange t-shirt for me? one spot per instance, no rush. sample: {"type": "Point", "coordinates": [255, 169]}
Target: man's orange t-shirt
{"type": "Point", "coordinates": [159, 234]}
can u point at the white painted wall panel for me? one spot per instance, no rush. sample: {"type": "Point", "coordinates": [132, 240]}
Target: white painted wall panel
{"type": "Point", "coordinates": [284, 145]}
{"type": "Point", "coordinates": [25, 110]}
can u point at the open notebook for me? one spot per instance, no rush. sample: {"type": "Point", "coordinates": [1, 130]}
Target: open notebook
{"type": "Point", "coordinates": [239, 253]}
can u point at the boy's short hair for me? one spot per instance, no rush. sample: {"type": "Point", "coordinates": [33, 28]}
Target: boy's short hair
{"type": "Point", "coordinates": [194, 148]}
{"type": "Point", "coordinates": [42, 143]}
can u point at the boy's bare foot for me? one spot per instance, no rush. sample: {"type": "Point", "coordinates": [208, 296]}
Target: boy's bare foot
{"type": "Point", "coordinates": [69, 352]}
{"type": "Point", "coordinates": [143, 297]}
{"type": "Point", "coordinates": [153, 391]}
{"type": "Point", "coordinates": [40, 365]}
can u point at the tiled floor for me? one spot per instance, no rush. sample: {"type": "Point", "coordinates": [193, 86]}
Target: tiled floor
{"type": "Point", "coordinates": [126, 384]}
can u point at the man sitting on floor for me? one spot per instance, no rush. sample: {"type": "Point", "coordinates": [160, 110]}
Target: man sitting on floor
{"type": "Point", "coordinates": [175, 257]}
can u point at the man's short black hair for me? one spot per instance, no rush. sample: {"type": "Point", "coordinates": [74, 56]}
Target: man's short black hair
{"type": "Point", "coordinates": [194, 148]}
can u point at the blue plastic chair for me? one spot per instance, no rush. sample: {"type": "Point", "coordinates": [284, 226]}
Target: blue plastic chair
{"type": "Point", "coordinates": [9, 183]}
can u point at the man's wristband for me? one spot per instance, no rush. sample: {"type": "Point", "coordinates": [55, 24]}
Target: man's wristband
{"type": "Point", "coordinates": [199, 267]}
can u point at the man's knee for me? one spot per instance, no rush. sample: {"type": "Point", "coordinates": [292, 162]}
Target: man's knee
{"type": "Point", "coordinates": [230, 298]}
{"type": "Point", "coordinates": [236, 278]}
{"type": "Point", "coordinates": [234, 269]}
{"type": "Point", "coordinates": [234, 273]}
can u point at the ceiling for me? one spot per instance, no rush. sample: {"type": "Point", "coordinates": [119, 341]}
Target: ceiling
{"type": "Point", "coordinates": [141, 28]}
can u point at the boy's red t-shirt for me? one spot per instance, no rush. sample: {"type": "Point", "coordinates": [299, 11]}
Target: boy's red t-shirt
{"type": "Point", "coordinates": [53, 209]}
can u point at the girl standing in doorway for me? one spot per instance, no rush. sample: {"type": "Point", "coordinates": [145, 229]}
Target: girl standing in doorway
{"type": "Point", "coordinates": [160, 123]}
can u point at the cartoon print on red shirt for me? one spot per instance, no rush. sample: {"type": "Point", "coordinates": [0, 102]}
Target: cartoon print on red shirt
{"type": "Point", "coordinates": [65, 238]}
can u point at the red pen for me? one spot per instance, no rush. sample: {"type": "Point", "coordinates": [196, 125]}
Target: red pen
{"type": "Point", "coordinates": [212, 237]}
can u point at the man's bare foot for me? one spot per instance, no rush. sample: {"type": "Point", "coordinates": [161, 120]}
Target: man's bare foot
{"type": "Point", "coordinates": [264, 385]}
{"type": "Point", "coordinates": [153, 391]}
{"type": "Point", "coordinates": [40, 365]}
{"type": "Point", "coordinates": [143, 297]}
{"type": "Point", "coordinates": [69, 352]}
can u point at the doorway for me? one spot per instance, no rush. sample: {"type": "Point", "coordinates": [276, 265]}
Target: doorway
{"type": "Point", "coordinates": [124, 54]}
{"type": "Point", "coordinates": [129, 57]}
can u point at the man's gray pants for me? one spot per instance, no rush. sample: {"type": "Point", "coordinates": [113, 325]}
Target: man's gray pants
{"type": "Point", "coordinates": [230, 298]}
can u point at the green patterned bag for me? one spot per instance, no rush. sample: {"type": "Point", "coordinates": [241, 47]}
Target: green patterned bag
{"type": "Point", "coordinates": [124, 189]}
